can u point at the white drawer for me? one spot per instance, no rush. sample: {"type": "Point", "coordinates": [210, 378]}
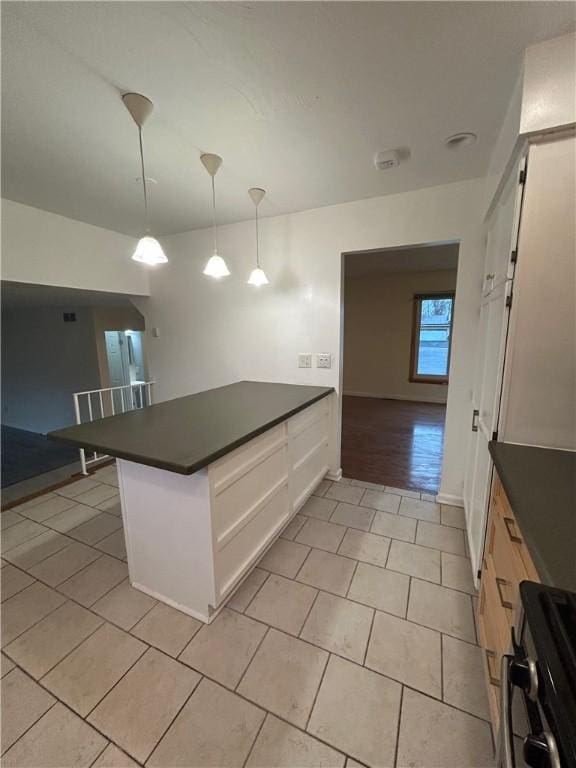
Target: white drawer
{"type": "Point", "coordinates": [242, 551]}
{"type": "Point", "coordinates": [233, 466]}
{"type": "Point", "coordinates": [239, 502]}
{"type": "Point", "coordinates": [308, 416]}
{"type": "Point", "coordinates": [308, 441]}
{"type": "Point", "coordinates": [307, 475]}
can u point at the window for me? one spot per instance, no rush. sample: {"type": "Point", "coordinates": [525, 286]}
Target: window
{"type": "Point", "coordinates": [431, 337]}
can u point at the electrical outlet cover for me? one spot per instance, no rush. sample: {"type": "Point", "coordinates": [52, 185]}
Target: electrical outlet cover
{"type": "Point", "coordinates": [323, 360]}
{"type": "Point", "coordinates": [305, 360]}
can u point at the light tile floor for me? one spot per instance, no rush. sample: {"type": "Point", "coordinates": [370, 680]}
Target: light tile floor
{"type": "Point", "coordinates": [352, 643]}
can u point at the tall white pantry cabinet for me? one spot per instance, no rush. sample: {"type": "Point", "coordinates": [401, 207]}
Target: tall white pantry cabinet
{"type": "Point", "coordinates": [525, 378]}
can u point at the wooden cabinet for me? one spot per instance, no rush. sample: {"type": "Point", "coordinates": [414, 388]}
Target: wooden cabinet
{"type": "Point", "coordinates": [506, 564]}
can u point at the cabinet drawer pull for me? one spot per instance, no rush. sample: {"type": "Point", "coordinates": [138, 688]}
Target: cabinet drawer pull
{"type": "Point", "coordinates": [490, 655]}
{"type": "Point", "coordinates": [499, 584]}
{"type": "Point", "coordinates": [511, 529]}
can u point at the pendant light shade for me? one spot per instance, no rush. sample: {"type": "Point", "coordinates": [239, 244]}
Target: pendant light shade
{"type": "Point", "coordinates": [257, 276]}
{"type": "Point", "coordinates": [216, 266]}
{"type": "Point", "coordinates": [148, 251]}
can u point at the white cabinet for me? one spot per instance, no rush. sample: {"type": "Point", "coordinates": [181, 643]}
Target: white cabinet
{"type": "Point", "coordinates": [192, 539]}
{"type": "Point", "coordinates": [525, 381]}
{"type": "Point", "coordinates": [492, 333]}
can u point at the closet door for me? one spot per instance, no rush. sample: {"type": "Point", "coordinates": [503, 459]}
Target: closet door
{"type": "Point", "coordinates": [493, 328]}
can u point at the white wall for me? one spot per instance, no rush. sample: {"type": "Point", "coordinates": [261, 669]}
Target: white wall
{"type": "Point", "coordinates": [45, 360]}
{"type": "Point", "coordinates": [378, 320]}
{"type": "Point", "coordinates": [47, 249]}
{"type": "Point", "coordinates": [213, 333]}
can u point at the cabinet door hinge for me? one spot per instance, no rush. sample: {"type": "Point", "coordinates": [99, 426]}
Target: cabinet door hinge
{"type": "Point", "coordinates": [479, 574]}
{"type": "Point", "coordinates": [522, 176]}
{"type": "Point", "coordinates": [495, 435]}
{"type": "Point", "coordinates": [475, 414]}
{"type": "Point", "coordinates": [509, 301]}
{"type": "Point", "coordinates": [514, 256]}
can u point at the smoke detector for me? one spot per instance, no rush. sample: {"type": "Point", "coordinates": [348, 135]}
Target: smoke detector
{"type": "Point", "coordinates": [385, 160]}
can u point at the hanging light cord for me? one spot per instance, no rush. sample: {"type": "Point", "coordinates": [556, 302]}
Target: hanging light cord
{"type": "Point", "coordinates": [143, 180]}
{"type": "Point", "coordinates": [214, 215]}
{"type": "Point", "coordinates": [257, 251]}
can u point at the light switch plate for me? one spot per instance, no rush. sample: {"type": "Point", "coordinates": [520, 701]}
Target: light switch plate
{"type": "Point", "coordinates": [305, 360]}
{"type": "Point", "coordinates": [323, 360]}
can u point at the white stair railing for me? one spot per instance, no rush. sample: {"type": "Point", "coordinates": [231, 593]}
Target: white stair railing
{"type": "Point", "coordinates": [96, 404]}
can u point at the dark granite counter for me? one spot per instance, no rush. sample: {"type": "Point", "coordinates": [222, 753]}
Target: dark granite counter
{"type": "Point", "coordinates": [540, 484]}
{"type": "Point", "coordinates": [188, 433]}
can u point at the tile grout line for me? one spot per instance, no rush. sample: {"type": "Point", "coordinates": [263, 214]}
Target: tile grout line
{"type": "Point", "coordinates": [313, 706]}
{"type": "Point", "coordinates": [441, 666]}
{"type": "Point", "coordinates": [99, 755]}
{"type": "Point", "coordinates": [352, 580]}
{"type": "Point", "coordinates": [408, 599]}
{"type": "Point", "coordinates": [243, 675]}
{"type": "Point", "coordinates": [313, 603]}
{"type": "Point", "coordinates": [256, 737]}
{"type": "Point", "coordinates": [369, 638]}
{"type": "Point", "coordinates": [257, 591]}
{"type": "Point", "coordinates": [171, 723]}
{"type": "Point", "coordinates": [398, 727]}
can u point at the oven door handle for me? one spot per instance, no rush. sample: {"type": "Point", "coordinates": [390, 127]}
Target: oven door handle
{"type": "Point", "coordinates": [505, 745]}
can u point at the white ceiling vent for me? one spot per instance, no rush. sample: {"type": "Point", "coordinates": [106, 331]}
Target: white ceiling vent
{"type": "Point", "coordinates": [385, 160]}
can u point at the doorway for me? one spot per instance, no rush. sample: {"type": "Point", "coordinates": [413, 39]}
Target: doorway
{"type": "Point", "coordinates": [126, 365]}
{"type": "Point", "coordinates": [398, 326]}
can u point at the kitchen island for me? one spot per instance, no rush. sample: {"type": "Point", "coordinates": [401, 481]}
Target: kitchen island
{"type": "Point", "coordinates": [208, 482]}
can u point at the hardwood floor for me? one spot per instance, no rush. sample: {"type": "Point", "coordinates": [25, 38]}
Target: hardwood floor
{"type": "Point", "coordinates": [393, 442]}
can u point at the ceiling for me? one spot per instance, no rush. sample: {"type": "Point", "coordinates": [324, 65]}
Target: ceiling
{"type": "Point", "coordinates": [296, 97]}
{"type": "Point", "coordinates": [15, 295]}
{"type": "Point", "coordinates": [420, 258]}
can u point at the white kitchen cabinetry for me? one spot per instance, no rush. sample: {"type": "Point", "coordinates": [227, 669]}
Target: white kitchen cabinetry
{"type": "Point", "coordinates": [191, 539]}
{"type": "Point", "coordinates": [525, 380]}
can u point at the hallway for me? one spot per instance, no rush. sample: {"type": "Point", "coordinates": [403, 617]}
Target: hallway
{"type": "Point", "coordinates": [395, 443]}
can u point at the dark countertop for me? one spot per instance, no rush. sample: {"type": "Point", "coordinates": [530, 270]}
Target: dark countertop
{"type": "Point", "coordinates": [188, 433]}
{"type": "Point", "coordinates": [540, 484]}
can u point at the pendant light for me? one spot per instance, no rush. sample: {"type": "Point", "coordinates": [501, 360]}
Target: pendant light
{"type": "Point", "coordinates": [216, 266]}
{"type": "Point", "coordinates": [257, 276]}
{"type": "Point", "coordinates": [148, 251]}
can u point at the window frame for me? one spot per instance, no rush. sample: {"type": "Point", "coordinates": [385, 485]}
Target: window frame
{"type": "Point", "coordinates": [415, 377]}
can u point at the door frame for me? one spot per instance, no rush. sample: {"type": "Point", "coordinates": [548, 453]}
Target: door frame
{"type": "Point", "coordinates": [336, 474]}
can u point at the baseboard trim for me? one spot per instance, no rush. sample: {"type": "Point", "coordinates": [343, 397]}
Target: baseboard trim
{"type": "Point", "coordinates": [334, 475]}
{"type": "Point", "coordinates": [448, 498]}
{"type": "Point", "coordinates": [405, 398]}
